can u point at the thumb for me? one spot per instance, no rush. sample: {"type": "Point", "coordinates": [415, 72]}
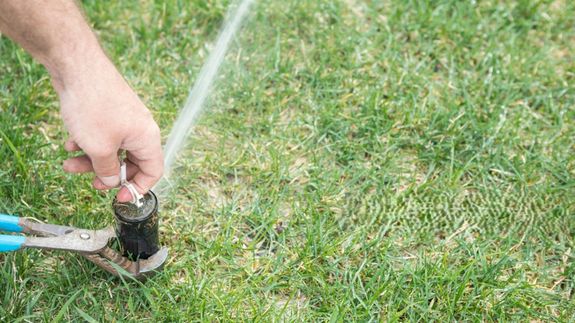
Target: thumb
{"type": "Point", "coordinates": [107, 168]}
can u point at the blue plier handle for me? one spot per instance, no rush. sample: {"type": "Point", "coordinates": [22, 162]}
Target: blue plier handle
{"type": "Point", "coordinates": [50, 236]}
{"type": "Point", "coordinates": [10, 223]}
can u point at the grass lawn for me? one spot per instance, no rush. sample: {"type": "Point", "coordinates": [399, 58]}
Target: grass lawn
{"type": "Point", "coordinates": [358, 160]}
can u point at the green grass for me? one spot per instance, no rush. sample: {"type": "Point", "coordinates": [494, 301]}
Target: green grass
{"type": "Point", "coordinates": [358, 160]}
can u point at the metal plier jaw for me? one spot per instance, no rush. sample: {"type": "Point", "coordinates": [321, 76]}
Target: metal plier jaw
{"type": "Point", "coordinates": [92, 244]}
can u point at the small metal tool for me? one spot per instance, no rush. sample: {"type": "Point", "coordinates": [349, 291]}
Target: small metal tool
{"type": "Point", "coordinates": [92, 244]}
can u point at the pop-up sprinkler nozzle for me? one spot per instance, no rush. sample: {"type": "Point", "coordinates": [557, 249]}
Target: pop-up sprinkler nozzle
{"type": "Point", "coordinates": [137, 227]}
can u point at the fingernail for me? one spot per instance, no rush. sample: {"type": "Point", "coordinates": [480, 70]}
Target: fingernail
{"type": "Point", "coordinates": [110, 181]}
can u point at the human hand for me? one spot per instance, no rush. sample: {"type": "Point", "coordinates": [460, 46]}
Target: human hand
{"type": "Point", "coordinates": [104, 116]}
{"type": "Point", "coordinates": [101, 112]}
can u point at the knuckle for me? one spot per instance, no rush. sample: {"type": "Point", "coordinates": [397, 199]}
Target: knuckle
{"type": "Point", "coordinates": [153, 130]}
{"type": "Point", "coordinates": [100, 152]}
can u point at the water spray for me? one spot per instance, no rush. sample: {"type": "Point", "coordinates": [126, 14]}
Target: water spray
{"type": "Point", "coordinates": [200, 90]}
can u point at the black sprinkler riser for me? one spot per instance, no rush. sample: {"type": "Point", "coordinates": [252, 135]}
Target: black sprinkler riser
{"type": "Point", "coordinates": [137, 228]}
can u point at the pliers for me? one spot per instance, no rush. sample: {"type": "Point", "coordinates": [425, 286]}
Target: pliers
{"type": "Point", "coordinates": [92, 244]}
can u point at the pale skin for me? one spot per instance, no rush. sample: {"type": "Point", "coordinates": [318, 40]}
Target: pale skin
{"type": "Point", "coordinates": [101, 112]}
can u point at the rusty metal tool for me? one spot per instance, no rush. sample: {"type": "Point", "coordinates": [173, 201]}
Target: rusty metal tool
{"type": "Point", "coordinates": [92, 244]}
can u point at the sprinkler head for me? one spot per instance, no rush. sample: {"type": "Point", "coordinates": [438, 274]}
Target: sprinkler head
{"type": "Point", "coordinates": [137, 232]}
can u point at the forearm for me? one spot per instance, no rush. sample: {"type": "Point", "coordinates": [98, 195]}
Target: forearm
{"type": "Point", "coordinates": [55, 33]}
